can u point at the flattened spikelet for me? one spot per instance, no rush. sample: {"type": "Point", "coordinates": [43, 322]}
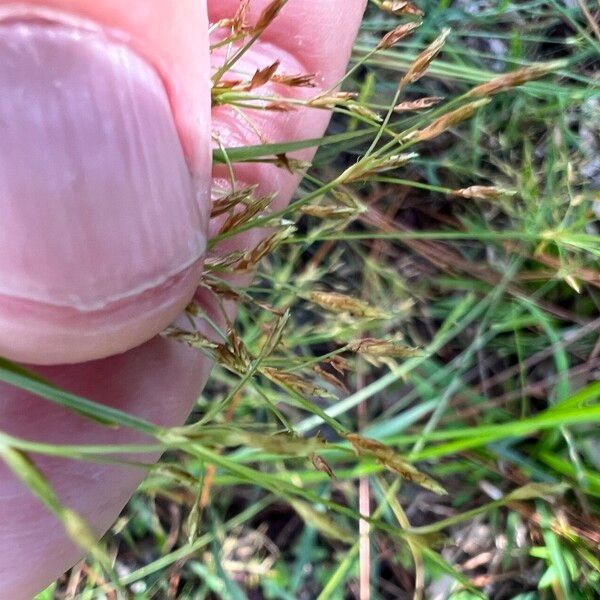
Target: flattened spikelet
{"type": "Point", "coordinates": [482, 192]}
{"type": "Point", "coordinates": [422, 62]}
{"type": "Point", "coordinates": [419, 104]}
{"type": "Point", "coordinates": [263, 76]}
{"type": "Point", "coordinates": [383, 348]}
{"type": "Point", "coordinates": [389, 459]}
{"type": "Point", "coordinates": [447, 121]}
{"type": "Point", "coordinates": [391, 38]}
{"type": "Point", "coordinates": [340, 303]}
{"type": "Point", "coordinates": [509, 81]}
{"type": "Point", "coordinates": [401, 7]}
{"type": "Point", "coordinates": [231, 200]}
{"type": "Point", "coordinates": [295, 382]}
{"type": "Point", "coordinates": [251, 209]}
{"type": "Point", "coordinates": [322, 465]}
{"type": "Point", "coordinates": [295, 80]}
{"type": "Point", "coordinates": [268, 15]}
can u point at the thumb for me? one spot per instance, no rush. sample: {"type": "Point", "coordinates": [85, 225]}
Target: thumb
{"type": "Point", "coordinates": [105, 173]}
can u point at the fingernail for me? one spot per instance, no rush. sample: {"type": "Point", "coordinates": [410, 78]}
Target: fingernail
{"type": "Point", "coordinates": [97, 203]}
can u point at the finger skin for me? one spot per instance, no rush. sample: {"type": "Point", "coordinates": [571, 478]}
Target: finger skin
{"type": "Point", "coordinates": [170, 34]}
{"type": "Point", "coordinates": [43, 321]}
{"type": "Point", "coordinates": [308, 37]}
{"type": "Point", "coordinates": [319, 34]}
{"type": "Point", "coordinates": [160, 380]}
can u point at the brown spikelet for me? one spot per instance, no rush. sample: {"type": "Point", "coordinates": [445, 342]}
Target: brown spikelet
{"type": "Point", "coordinates": [192, 339]}
{"type": "Point", "coordinates": [330, 101]}
{"type": "Point", "coordinates": [280, 106]}
{"type": "Point", "coordinates": [330, 378]}
{"type": "Point", "coordinates": [508, 81]}
{"type": "Point", "coordinates": [293, 165]}
{"type": "Point", "coordinates": [340, 303]}
{"type": "Point", "coordinates": [293, 381]}
{"type": "Point", "coordinates": [364, 169]}
{"type": "Point", "coordinates": [268, 15]}
{"type": "Point", "coordinates": [252, 257]}
{"type": "Point", "coordinates": [363, 111]}
{"type": "Point", "coordinates": [419, 104]}
{"type": "Point", "coordinates": [193, 309]}
{"type": "Point", "coordinates": [295, 80]}
{"type": "Point", "coordinates": [422, 62]}
{"type": "Point", "coordinates": [446, 121]}
{"type": "Point", "coordinates": [284, 161]}
{"type": "Point", "coordinates": [263, 76]}
{"type": "Point", "coordinates": [482, 192]}
{"type": "Point", "coordinates": [340, 364]}
{"type": "Point", "coordinates": [345, 197]}
{"type": "Point", "coordinates": [401, 7]}
{"type": "Point", "coordinates": [233, 355]}
{"type": "Point", "coordinates": [238, 24]}
{"type": "Point", "coordinates": [389, 459]}
{"type": "Point", "coordinates": [383, 348]}
{"type": "Point", "coordinates": [329, 211]}
{"type": "Point", "coordinates": [391, 38]}
{"type": "Point", "coordinates": [222, 263]}
{"type": "Point", "coordinates": [224, 85]}
{"type": "Point", "coordinates": [231, 200]}
{"type": "Point", "coordinates": [322, 465]}
{"type": "Point", "coordinates": [226, 292]}
{"type": "Point", "coordinates": [251, 209]}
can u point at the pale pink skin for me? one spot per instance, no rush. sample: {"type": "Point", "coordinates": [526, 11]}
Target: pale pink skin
{"type": "Point", "coordinates": [158, 380]}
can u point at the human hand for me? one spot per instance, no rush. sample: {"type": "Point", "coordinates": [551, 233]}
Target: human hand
{"type": "Point", "coordinates": [104, 231]}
